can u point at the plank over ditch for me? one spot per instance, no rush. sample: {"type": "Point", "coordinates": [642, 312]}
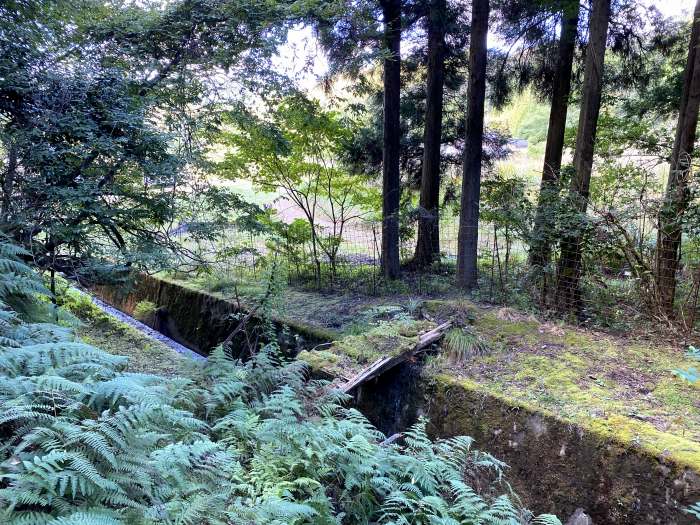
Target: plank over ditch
{"type": "Point", "coordinates": [383, 364]}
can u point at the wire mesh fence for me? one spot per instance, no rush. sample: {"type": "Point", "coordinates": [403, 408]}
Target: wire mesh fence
{"type": "Point", "coordinates": [604, 275]}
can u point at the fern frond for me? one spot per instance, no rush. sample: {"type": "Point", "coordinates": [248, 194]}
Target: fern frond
{"type": "Point", "coordinates": [88, 518]}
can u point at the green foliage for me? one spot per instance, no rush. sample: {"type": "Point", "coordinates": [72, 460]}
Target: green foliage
{"type": "Point", "coordinates": [691, 374]}
{"type": "Point", "coordinates": [292, 242]}
{"type": "Point", "coordinates": [694, 510]}
{"type": "Point", "coordinates": [463, 343]}
{"type": "Point", "coordinates": [295, 149]}
{"type": "Point", "coordinates": [100, 159]}
{"type": "Point", "coordinates": [21, 291]}
{"type": "Point", "coordinates": [17, 279]}
{"type": "Point", "coordinates": [505, 203]}
{"type": "Point", "coordinates": [508, 209]}
{"type": "Point", "coordinates": [144, 311]}
{"type": "Point", "coordinates": [524, 117]}
{"type": "Point", "coordinates": [287, 148]}
{"type": "Point", "coordinates": [86, 443]}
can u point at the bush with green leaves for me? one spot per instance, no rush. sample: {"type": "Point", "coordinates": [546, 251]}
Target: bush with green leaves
{"type": "Point", "coordinates": [295, 150]}
{"type": "Point", "coordinates": [86, 443]}
{"type": "Point", "coordinates": [145, 311]}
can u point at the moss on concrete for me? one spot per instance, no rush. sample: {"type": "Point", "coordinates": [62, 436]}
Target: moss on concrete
{"type": "Point", "coordinates": [600, 383]}
{"type": "Point", "coordinates": [145, 355]}
{"type": "Point", "coordinates": [323, 363]}
{"type": "Point", "coordinates": [323, 313]}
{"type": "Point", "coordinates": [145, 311]}
{"type": "Point", "coordinates": [460, 310]}
{"type": "Point", "coordinates": [559, 465]}
{"type": "Point", "coordinates": [584, 419]}
{"type": "Point", "coordinates": [198, 319]}
{"type": "Point", "coordinates": [349, 354]}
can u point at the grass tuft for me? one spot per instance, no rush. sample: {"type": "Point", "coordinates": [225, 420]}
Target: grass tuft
{"type": "Point", "coordinates": [462, 344]}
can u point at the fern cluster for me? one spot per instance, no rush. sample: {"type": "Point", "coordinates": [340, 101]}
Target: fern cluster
{"type": "Point", "coordinates": [86, 443]}
{"type": "Point", "coordinates": [17, 279]}
{"type": "Point", "coordinates": [690, 374]}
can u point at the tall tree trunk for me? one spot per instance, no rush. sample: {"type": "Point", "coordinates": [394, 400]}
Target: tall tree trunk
{"type": "Point", "coordinates": [8, 182]}
{"type": "Point", "coordinates": [467, 272]}
{"type": "Point", "coordinates": [568, 293]}
{"type": "Point", "coordinates": [676, 199]}
{"type": "Point", "coordinates": [428, 245]}
{"type": "Point", "coordinates": [540, 247]}
{"type": "Point", "coordinates": [391, 180]}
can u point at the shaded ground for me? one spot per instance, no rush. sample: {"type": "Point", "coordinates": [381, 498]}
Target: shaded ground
{"type": "Point", "coordinates": [344, 311]}
{"type": "Point", "coordinates": [618, 387]}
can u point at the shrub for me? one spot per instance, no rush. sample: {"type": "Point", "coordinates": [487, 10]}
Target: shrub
{"type": "Point", "coordinates": [145, 311]}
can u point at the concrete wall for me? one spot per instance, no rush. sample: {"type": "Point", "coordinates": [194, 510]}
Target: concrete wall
{"type": "Point", "coordinates": [197, 319]}
{"type": "Point", "coordinates": [555, 467]}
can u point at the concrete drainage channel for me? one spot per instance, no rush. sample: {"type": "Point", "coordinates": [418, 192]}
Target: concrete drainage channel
{"type": "Point", "coordinates": [200, 321]}
{"type": "Point", "coordinates": [405, 382]}
{"type": "Point", "coordinates": [616, 481]}
{"type": "Point", "coordinates": [145, 329]}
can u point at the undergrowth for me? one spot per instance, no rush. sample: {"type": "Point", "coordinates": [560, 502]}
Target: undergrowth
{"type": "Point", "coordinates": [462, 343]}
{"type": "Point", "coordinates": [86, 443]}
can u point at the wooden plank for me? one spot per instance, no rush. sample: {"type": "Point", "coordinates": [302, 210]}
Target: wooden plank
{"type": "Point", "coordinates": [383, 364]}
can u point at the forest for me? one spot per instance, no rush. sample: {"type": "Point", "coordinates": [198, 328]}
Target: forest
{"type": "Point", "coordinates": [349, 262]}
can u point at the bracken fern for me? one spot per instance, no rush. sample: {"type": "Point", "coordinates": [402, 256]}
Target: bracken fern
{"type": "Point", "coordinates": [85, 443]}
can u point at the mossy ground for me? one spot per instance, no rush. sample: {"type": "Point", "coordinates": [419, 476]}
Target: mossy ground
{"type": "Point", "coordinates": [349, 354]}
{"type": "Point", "coordinates": [614, 401]}
{"type": "Point", "coordinates": [145, 355]}
{"type": "Point", "coordinates": [619, 388]}
{"type": "Point", "coordinates": [319, 316]}
{"type": "Point", "coordinates": [344, 310]}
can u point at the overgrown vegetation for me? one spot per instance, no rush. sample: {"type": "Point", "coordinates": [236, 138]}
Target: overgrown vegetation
{"type": "Point", "coordinates": [85, 442]}
{"type": "Point", "coordinates": [117, 130]}
{"type": "Point", "coordinates": [552, 172]}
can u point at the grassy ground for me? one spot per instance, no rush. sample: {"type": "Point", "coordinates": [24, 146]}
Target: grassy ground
{"type": "Point", "coordinates": [338, 311]}
{"type": "Point", "coordinates": [145, 355]}
{"type": "Point", "coordinates": [347, 307]}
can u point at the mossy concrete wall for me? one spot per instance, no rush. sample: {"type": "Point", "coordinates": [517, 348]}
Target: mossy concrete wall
{"type": "Point", "coordinates": [395, 400]}
{"type": "Point", "coordinates": [557, 466]}
{"type": "Point", "coordinates": [197, 319]}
